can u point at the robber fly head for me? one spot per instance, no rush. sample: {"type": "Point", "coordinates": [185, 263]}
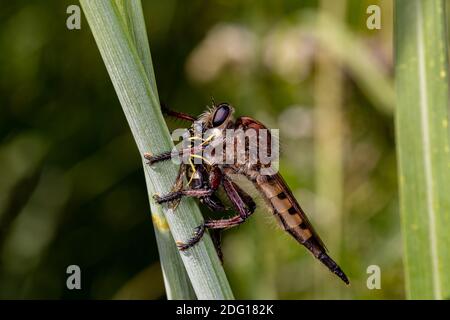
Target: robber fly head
{"type": "Point", "coordinates": [218, 117]}
{"type": "Point", "coordinates": [211, 125]}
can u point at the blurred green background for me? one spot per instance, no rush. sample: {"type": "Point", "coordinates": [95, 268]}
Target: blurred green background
{"type": "Point", "coordinates": [72, 189]}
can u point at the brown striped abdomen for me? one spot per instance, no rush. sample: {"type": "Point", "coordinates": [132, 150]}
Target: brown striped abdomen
{"type": "Point", "coordinates": [285, 209]}
{"type": "Point", "coordinates": [292, 218]}
{"type": "Point", "coordinates": [283, 204]}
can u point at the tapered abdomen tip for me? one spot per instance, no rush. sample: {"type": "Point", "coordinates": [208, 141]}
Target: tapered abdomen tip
{"type": "Point", "coordinates": [333, 266]}
{"type": "Point", "coordinates": [342, 275]}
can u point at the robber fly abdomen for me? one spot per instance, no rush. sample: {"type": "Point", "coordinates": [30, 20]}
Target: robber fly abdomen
{"type": "Point", "coordinates": [291, 218]}
{"type": "Point", "coordinates": [205, 179]}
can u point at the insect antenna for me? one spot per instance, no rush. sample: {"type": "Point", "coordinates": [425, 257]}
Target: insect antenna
{"type": "Point", "coordinates": [176, 114]}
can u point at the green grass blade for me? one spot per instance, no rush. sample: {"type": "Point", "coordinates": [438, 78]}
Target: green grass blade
{"type": "Point", "coordinates": [176, 280]}
{"type": "Point", "coordinates": [141, 107]}
{"type": "Point", "coordinates": [423, 145]}
{"type": "Point", "coordinates": [131, 11]}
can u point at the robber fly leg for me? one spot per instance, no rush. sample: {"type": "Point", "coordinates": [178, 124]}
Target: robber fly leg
{"type": "Point", "coordinates": [211, 224]}
{"type": "Point", "coordinates": [196, 193]}
{"type": "Point", "coordinates": [213, 203]}
{"type": "Point", "coordinates": [198, 234]}
{"type": "Point", "coordinates": [224, 223]}
{"type": "Point", "coordinates": [241, 201]}
{"type": "Point", "coordinates": [215, 179]}
{"type": "Point", "coordinates": [152, 159]}
{"type": "Point", "coordinates": [176, 114]}
{"type": "Point", "coordinates": [250, 205]}
{"type": "Point", "coordinates": [216, 239]}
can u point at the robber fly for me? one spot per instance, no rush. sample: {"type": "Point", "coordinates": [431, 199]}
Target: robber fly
{"type": "Point", "coordinates": [207, 176]}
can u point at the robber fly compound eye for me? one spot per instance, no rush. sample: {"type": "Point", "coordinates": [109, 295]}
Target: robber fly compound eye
{"type": "Point", "coordinates": [221, 114]}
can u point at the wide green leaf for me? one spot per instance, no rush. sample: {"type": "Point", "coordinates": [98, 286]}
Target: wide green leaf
{"type": "Point", "coordinates": [423, 145]}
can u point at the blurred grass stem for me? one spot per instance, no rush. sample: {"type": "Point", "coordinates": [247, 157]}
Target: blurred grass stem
{"type": "Point", "coordinates": [328, 143]}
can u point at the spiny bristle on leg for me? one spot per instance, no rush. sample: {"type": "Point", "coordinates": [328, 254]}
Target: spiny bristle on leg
{"type": "Point", "coordinates": [152, 159]}
{"type": "Point", "coordinates": [167, 198]}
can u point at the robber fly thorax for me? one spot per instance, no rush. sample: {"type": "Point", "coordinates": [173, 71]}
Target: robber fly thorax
{"type": "Point", "coordinates": [221, 148]}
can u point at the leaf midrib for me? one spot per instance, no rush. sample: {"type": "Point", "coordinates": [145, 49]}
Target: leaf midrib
{"type": "Point", "coordinates": [425, 132]}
